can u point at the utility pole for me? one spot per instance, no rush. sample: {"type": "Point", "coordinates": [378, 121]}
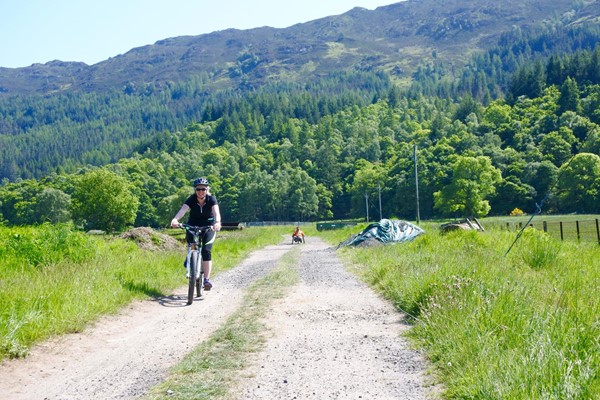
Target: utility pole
{"type": "Point", "coordinates": [367, 204]}
{"type": "Point", "coordinates": [380, 211]}
{"type": "Point", "coordinates": [417, 186]}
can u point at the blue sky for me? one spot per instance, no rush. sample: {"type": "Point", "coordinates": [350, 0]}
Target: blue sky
{"type": "Point", "coordinates": [38, 31]}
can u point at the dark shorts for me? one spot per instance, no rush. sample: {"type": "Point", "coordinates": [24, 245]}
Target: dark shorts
{"type": "Point", "coordinates": [208, 240]}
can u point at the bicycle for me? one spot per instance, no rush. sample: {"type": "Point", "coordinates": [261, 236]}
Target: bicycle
{"type": "Point", "coordinates": [297, 239]}
{"type": "Point", "coordinates": [193, 264]}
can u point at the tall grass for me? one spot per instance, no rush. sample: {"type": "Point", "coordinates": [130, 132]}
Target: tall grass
{"type": "Point", "coordinates": [518, 326]}
{"type": "Point", "coordinates": [55, 280]}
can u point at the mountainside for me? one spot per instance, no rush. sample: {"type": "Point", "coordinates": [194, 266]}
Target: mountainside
{"type": "Point", "coordinates": [394, 38]}
{"type": "Point", "coordinates": [57, 117]}
{"type": "Point", "coordinates": [311, 121]}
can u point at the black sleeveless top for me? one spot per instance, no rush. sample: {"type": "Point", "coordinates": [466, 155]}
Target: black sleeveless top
{"type": "Point", "coordinates": [201, 215]}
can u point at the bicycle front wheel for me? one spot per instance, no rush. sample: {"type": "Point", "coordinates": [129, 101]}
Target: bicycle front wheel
{"type": "Point", "coordinates": [192, 282]}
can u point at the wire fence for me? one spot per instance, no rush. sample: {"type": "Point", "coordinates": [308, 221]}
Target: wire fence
{"type": "Point", "coordinates": [270, 223]}
{"type": "Point", "coordinates": [583, 231]}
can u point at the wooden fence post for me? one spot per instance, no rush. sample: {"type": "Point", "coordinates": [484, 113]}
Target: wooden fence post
{"type": "Point", "coordinates": [578, 235]}
{"type": "Point", "coordinates": [545, 224]}
{"type": "Point", "coordinates": [561, 231]}
{"type": "Point", "coordinates": [598, 230]}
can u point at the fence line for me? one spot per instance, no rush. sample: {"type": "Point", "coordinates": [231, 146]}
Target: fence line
{"type": "Point", "coordinates": [587, 230]}
{"type": "Point", "coordinates": [269, 223]}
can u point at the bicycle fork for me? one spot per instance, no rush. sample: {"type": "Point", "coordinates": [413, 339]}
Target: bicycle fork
{"type": "Point", "coordinates": [188, 262]}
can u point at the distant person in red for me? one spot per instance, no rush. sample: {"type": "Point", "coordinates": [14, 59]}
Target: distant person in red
{"type": "Point", "coordinates": [297, 236]}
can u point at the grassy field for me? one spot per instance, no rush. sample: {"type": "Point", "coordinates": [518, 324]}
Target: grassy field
{"type": "Point", "coordinates": [496, 326]}
{"type": "Point", "coordinates": [522, 325]}
{"type": "Point", "coordinates": [54, 280]}
{"type": "Point", "coordinates": [584, 228]}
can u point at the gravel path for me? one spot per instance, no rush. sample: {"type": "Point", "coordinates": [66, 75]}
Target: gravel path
{"type": "Point", "coordinates": [330, 338]}
{"type": "Point", "coordinates": [333, 338]}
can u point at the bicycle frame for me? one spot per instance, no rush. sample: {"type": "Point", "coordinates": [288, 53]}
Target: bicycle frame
{"type": "Point", "coordinates": [193, 263]}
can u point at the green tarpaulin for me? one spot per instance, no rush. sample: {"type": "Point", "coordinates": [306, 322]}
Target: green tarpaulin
{"type": "Point", "coordinates": [385, 231]}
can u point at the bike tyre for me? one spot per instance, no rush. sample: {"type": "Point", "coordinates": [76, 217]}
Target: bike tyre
{"type": "Point", "coordinates": [200, 284]}
{"type": "Point", "coordinates": [192, 280]}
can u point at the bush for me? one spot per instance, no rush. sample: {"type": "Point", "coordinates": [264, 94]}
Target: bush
{"type": "Point", "coordinates": [104, 200]}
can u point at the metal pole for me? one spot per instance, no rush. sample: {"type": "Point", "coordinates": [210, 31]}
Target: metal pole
{"type": "Point", "coordinates": [380, 211]}
{"type": "Point", "coordinates": [417, 186]}
{"type": "Point", "coordinates": [367, 205]}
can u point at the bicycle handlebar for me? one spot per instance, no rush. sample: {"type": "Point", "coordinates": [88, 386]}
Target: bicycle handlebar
{"type": "Point", "coordinates": [196, 228]}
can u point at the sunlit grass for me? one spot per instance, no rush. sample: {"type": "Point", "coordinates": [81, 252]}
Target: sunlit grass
{"type": "Point", "coordinates": [495, 325]}
{"type": "Point", "coordinates": [522, 325]}
{"type": "Point", "coordinates": [55, 280]}
{"type": "Point", "coordinates": [578, 227]}
{"type": "Point", "coordinates": [337, 50]}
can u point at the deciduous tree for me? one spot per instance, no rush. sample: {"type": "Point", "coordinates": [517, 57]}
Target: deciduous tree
{"type": "Point", "coordinates": [104, 200]}
{"type": "Point", "coordinates": [473, 180]}
{"type": "Point", "coordinates": [579, 184]}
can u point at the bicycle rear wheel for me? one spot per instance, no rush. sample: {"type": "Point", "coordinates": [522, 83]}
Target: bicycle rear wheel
{"type": "Point", "coordinates": [192, 281]}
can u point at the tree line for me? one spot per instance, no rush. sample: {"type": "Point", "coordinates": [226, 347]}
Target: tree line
{"type": "Point", "coordinates": [522, 62]}
{"type": "Point", "coordinates": [472, 159]}
{"type": "Point", "coordinates": [60, 133]}
{"type": "Point", "coordinates": [63, 132]}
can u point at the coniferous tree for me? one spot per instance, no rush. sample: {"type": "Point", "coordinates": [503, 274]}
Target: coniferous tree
{"type": "Point", "coordinates": [569, 97]}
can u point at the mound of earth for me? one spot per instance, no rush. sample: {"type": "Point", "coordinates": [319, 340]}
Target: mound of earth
{"type": "Point", "coordinates": [149, 239]}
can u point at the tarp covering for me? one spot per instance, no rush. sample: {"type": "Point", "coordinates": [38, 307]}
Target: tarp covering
{"type": "Point", "coordinates": [385, 231]}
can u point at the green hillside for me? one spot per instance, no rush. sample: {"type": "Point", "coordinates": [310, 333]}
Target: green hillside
{"type": "Point", "coordinates": [61, 116]}
{"type": "Point", "coordinates": [509, 119]}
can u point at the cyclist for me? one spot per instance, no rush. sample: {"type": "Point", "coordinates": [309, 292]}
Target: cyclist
{"type": "Point", "coordinates": [298, 235]}
{"type": "Point", "coordinates": [204, 211]}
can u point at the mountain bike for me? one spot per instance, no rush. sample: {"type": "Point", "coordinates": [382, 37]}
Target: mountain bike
{"type": "Point", "coordinates": [193, 262]}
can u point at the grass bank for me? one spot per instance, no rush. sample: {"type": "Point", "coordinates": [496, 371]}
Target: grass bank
{"type": "Point", "coordinates": [518, 326]}
{"type": "Point", "coordinates": [212, 370]}
{"type": "Point", "coordinates": [55, 280]}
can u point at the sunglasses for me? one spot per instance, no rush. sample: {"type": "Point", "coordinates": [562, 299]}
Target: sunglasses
{"type": "Point", "coordinates": [200, 189]}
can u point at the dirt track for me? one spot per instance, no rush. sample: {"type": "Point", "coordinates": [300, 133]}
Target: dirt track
{"type": "Point", "coordinates": [330, 338]}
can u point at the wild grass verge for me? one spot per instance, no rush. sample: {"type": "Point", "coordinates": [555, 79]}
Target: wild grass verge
{"type": "Point", "coordinates": [213, 368]}
{"type": "Point", "coordinates": [56, 280]}
{"type": "Point", "coordinates": [522, 325]}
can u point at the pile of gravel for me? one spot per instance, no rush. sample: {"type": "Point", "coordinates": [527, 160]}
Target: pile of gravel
{"type": "Point", "coordinates": [149, 239]}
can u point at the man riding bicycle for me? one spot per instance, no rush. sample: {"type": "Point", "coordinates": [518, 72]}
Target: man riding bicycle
{"type": "Point", "coordinates": [204, 211]}
{"type": "Point", "coordinates": [298, 236]}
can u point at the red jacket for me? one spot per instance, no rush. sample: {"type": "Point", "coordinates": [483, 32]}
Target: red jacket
{"type": "Point", "coordinates": [298, 232]}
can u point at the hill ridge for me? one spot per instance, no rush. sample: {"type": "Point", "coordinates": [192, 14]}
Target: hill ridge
{"type": "Point", "coordinates": [396, 37]}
